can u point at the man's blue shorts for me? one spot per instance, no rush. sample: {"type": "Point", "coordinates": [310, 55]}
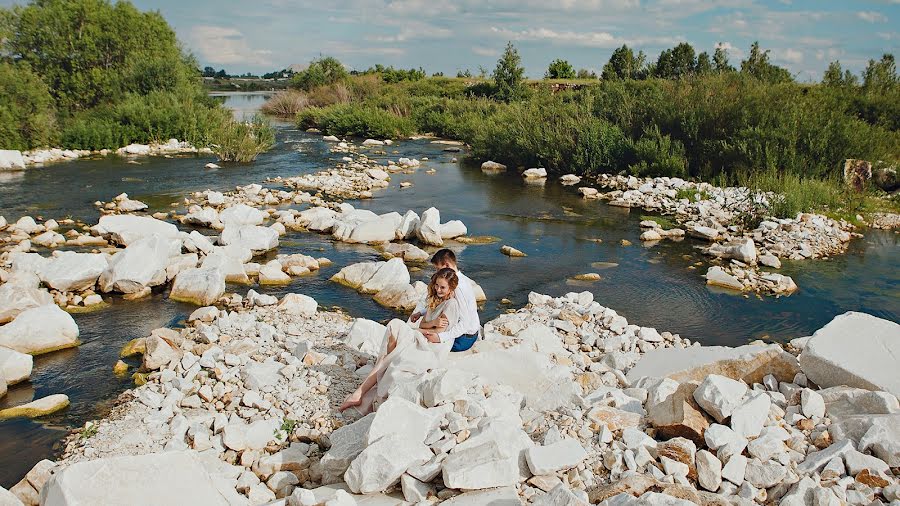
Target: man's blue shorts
{"type": "Point", "coordinates": [464, 342]}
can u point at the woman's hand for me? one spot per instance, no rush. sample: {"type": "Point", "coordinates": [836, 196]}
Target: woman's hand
{"type": "Point", "coordinates": [415, 317]}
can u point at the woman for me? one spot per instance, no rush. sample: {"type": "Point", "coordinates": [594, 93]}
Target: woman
{"type": "Point", "coordinates": [409, 351]}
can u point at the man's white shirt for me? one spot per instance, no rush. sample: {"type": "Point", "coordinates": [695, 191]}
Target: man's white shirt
{"type": "Point", "coordinates": [468, 323]}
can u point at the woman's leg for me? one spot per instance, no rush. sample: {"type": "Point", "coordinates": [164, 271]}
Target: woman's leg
{"type": "Point", "coordinates": [355, 398]}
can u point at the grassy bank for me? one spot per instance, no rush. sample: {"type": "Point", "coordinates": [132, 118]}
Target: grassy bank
{"type": "Point", "coordinates": [123, 79]}
{"type": "Point", "coordinates": [727, 128]}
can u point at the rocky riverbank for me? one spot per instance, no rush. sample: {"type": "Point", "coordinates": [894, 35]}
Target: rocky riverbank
{"type": "Point", "coordinates": [19, 160]}
{"type": "Point", "coordinates": [564, 402]}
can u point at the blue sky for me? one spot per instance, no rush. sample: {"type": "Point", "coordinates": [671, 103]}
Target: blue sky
{"type": "Point", "coordinates": [442, 35]}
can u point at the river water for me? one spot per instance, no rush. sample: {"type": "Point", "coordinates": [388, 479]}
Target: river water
{"type": "Point", "coordinates": [551, 223]}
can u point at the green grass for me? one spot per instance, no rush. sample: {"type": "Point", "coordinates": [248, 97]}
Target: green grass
{"type": "Point", "coordinates": [691, 194]}
{"type": "Point", "coordinates": [662, 221]}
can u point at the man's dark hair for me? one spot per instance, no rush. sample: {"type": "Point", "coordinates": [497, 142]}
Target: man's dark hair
{"type": "Point", "coordinates": [443, 256]}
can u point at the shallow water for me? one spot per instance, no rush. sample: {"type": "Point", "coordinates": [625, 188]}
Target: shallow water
{"type": "Point", "coordinates": [551, 223]}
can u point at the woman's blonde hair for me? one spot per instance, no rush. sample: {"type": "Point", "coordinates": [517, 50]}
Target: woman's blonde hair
{"type": "Point", "coordinates": [452, 281]}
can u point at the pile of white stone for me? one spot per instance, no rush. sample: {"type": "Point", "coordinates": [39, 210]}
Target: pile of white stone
{"type": "Point", "coordinates": [351, 180]}
{"type": "Point", "coordinates": [389, 282]}
{"type": "Point", "coordinates": [347, 224]}
{"type": "Point", "coordinates": [18, 160]}
{"type": "Point", "coordinates": [564, 402]}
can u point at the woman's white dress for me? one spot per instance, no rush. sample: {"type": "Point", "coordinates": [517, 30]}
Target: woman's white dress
{"type": "Point", "coordinates": [413, 355]}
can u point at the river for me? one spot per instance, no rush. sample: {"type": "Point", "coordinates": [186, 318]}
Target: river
{"type": "Point", "coordinates": [551, 223]}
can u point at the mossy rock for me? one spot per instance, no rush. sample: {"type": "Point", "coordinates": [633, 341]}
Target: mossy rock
{"type": "Point", "coordinates": [120, 369]}
{"type": "Point", "coordinates": [477, 239]}
{"type": "Point", "coordinates": [41, 407]}
{"type": "Point", "coordinates": [133, 347]}
{"type": "Point", "coordinates": [140, 378]}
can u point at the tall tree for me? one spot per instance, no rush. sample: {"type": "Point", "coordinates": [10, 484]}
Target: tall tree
{"type": "Point", "coordinates": [560, 69]}
{"type": "Point", "coordinates": [676, 63]}
{"type": "Point", "coordinates": [836, 77]}
{"type": "Point", "coordinates": [624, 64]}
{"type": "Point", "coordinates": [757, 65]}
{"type": "Point", "coordinates": [720, 60]}
{"type": "Point", "coordinates": [880, 75]}
{"type": "Point", "coordinates": [84, 50]}
{"type": "Point", "coordinates": [509, 75]}
{"type": "Point", "coordinates": [321, 71]}
{"type": "Point", "coordinates": [704, 64]}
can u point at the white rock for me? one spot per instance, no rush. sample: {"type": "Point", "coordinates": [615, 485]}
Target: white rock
{"type": "Point", "coordinates": [720, 396]}
{"type": "Point", "coordinates": [299, 304]}
{"type": "Point", "coordinates": [429, 229]}
{"type": "Point", "coordinates": [126, 229]}
{"type": "Point", "coordinates": [709, 470]}
{"type": "Point", "coordinates": [159, 353]}
{"type": "Point", "coordinates": [734, 469]}
{"type": "Point", "coordinates": [718, 277]}
{"type": "Point", "coordinates": [536, 173]}
{"type": "Point", "coordinates": [15, 366]}
{"type": "Point", "coordinates": [253, 237]}
{"type": "Point", "coordinates": [382, 463]}
{"type": "Point", "coordinates": [272, 274]}
{"type": "Point", "coordinates": [812, 404]}
{"type": "Point", "coordinates": [70, 271]}
{"type": "Point", "coordinates": [392, 272]}
{"type": "Point", "coordinates": [748, 419]}
{"type": "Point", "coordinates": [347, 443]}
{"type": "Point", "coordinates": [483, 466]}
{"type": "Point", "coordinates": [854, 349]}
{"type": "Point", "coordinates": [764, 474]}
{"type": "Point", "coordinates": [20, 293]}
{"type": "Point", "coordinates": [133, 479]}
{"type": "Point", "coordinates": [453, 229]}
{"type": "Point", "coordinates": [401, 417]}
{"type": "Point", "coordinates": [40, 330]}
{"type": "Point", "coordinates": [201, 286]}
{"type": "Point", "coordinates": [142, 264]}
{"type": "Point", "coordinates": [559, 456]}
{"type": "Point", "coordinates": [11, 159]}
{"type": "Point", "coordinates": [258, 375]}
{"type": "Point", "coordinates": [240, 215]}
{"type": "Point", "coordinates": [492, 166]}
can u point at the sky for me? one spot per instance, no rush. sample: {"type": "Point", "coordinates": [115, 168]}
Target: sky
{"type": "Point", "coordinates": [448, 36]}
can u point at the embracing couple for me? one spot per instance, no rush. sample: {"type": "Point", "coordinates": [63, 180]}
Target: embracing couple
{"type": "Point", "coordinates": [446, 320]}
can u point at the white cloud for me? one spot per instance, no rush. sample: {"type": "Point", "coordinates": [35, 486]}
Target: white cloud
{"type": "Point", "coordinates": [872, 16]}
{"type": "Point", "coordinates": [485, 51]}
{"type": "Point", "coordinates": [789, 55]}
{"type": "Point", "coordinates": [414, 30]}
{"type": "Point", "coordinates": [226, 46]}
{"type": "Point", "coordinates": [586, 39]}
{"type": "Point", "coordinates": [734, 53]}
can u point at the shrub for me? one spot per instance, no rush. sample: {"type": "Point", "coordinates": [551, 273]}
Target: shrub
{"type": "Point", "coordinates": [239, 141]}
{"type": "Point", "coordinates": [27, 117]}
{"type": "Point", "coordinates": [658, 155]}
{"type": "Point", "coordinates": [356, 120]}
{"type": "Point", "coordinates": [285, 103]}
{"type": "Point", "coordinates": [321, 71]}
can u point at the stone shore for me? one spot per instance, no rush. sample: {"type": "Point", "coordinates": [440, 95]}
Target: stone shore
{"type": "Point", "coordinates": [564, 402]}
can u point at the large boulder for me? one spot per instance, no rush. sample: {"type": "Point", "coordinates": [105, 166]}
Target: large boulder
{"type": "Point", "coordinates": [429, 229]}
{"type": "Point", "coordinates": [159, 352]}
{"type": "Point", "coordinates": [398, 296]}
{"type": "Point", "coordinates": [347, 443]}
{"type": "Point", "coordinates": [382, 463]}
{"type": "Point", "coordinates": [453, 229]}
{"type": "Point", "coordinates": [716, 276]}
{"type": "Point", "coordinates": [749, 363]}
{"type": "Point", "coordinates": [40, 330]}
{"type": "Point", "coordinates": [70, 271]}
{"type": "Point", "coordinates": [20, 293]}
{"type": "Point", "coordinates": [483, 466]}
{"type": "Point", "coordinates": [355, 275]}
{"type": "Point", "coordinates": [14, 366]}
{"type": "Point", "coordinates": [857, 350]}
{"type": "Point", "coordinates": [201, 286]}
{"type": "Point", "coordinates": [408, 226]}
{"type": "Point", "coordinates": [177, 477]}
{"type": "Point", "coordinates": [231, 267]}
{"type": "Point", "coordinates": [253, 237]}
{"type": "Point", "coordinates": [37, 408]}
{"type": "Point", "coordinates": [392, 272]}
{"type": "Point", "coordinates": [11, 159]}
{"type": "Point", "coordinates": [380, 230]}
{"type": "Point", "coordinates": [739, 249]}
{"type": "Point", "coordinates": [142, 264]}
{"type": "Point", "coordinates": [126, 229]}
{"type": "Point", "coordinates": [240, 215]}
{"type": "Point", "coordinates": [678, 415]}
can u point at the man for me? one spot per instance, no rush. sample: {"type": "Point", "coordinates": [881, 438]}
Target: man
{"type": "Point", "coordinates": [465, 332]}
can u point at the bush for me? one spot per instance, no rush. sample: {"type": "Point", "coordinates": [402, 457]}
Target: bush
{"type": "Point", "coordinates": [356, 120]}
{"type": "Point", "coordinates": [239, 141]}
{"type": "Point", "coordinates": [658, 155]}
{"type": "Point", "coordinates": [27, 117]}
{"type": "Point", "coordinates": [321, 71]}
{"type": "Point", "coordinates": [285, 103]}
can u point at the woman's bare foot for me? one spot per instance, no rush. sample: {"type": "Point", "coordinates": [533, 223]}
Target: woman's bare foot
{"type": "Point", "coordinates": [352, 400]}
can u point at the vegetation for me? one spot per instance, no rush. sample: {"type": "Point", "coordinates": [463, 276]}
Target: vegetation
{"type": "Point", "coordinates": [285, 103]}
{"type": "Point", "coordinates": [90, 74]}
{"type": "Point", "coordinates": [686, 114]}
{"type": "Point", "coordinates": [239, 141]}
{"type": "Point", "coordinates": [560, 69]}
{"type": "Point", "coordinates": [321, 71]}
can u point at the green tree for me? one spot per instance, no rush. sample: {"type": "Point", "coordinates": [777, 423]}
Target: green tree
{"type": "Point", "coordinates": [624, 64]}
{"type": "Point", "coordinates": [836, 77]}
{"type": "Point", "coordinates": [208, 72]}
{"type": "Point", "coordinates": [757, 65]}
{"type": "Point", "coordinates": [720, 60]}
{"type": "Point", "coordinates": [84, 50]}
{"type": "Point", "coordinates": [509, 75]}
{"type": "Point", "coordinates": [586, 74]}
{"type": "Point", "coordinates": [27, 118]}
{"type": "Point", "coordinates": [704, 64]}
{"type": "Point", "coordinates": [560, 69]}
{"type": "Point", "coordinates": [676, 63]}
{"type": "Point", "coordinates": [321, 71]}
{"type": "Point", "coordinates": [880, 75]}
